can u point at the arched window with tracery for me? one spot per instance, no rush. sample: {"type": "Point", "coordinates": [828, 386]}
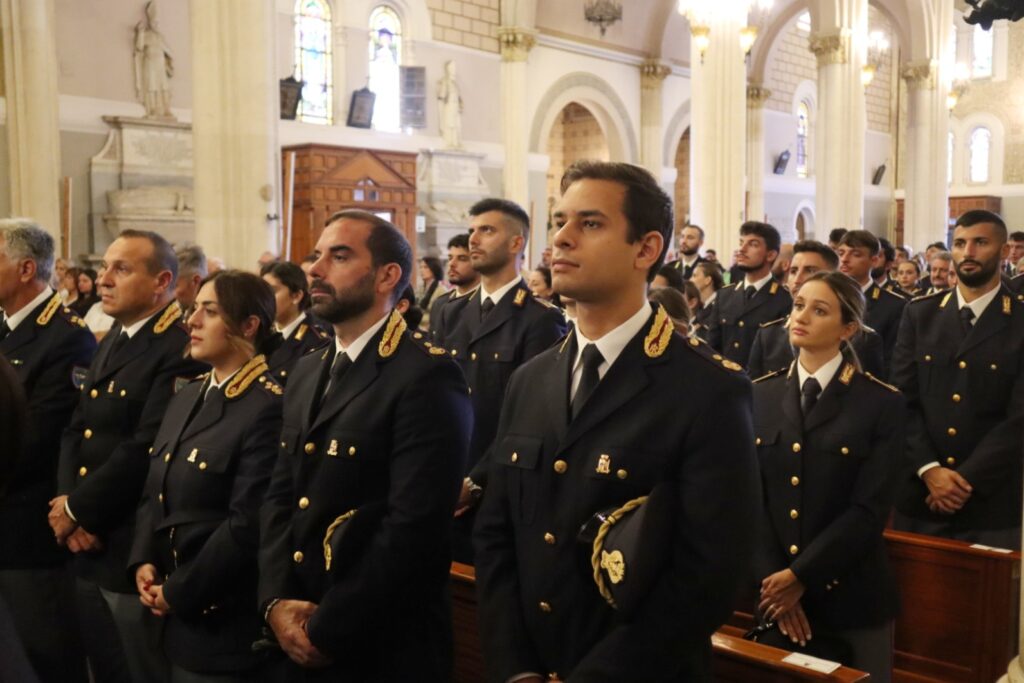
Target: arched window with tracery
{"type": "Point", "coordinates": [803, 124]}
{"type": "Point", "coordinates": [385, 58]}
{"type": "Point", "coordinates": [980, 154]}
{"type": "Point", "coordinates": [981, 53]}
{"type": "Point", "coordinates": [313, 60]}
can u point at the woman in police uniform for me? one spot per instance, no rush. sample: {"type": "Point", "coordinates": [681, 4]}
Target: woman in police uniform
{"type": "Point", "coordinates": [829, 441]}
{"type": "Point", "coordinates": [299, 332]}
{"type": "Point", "coordinates": [197, 530]}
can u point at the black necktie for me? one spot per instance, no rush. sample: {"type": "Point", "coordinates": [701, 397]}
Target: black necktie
{"type": "Point", "coordinates": [486, 306]}
{"type": "Point", "coordinates": [749, 292]}
{"type": "Point", "coordinates": [4, 329]}
{"type": "Point", "coordinates": [809, 393]}
{"type": "Point", "coordinates": [119, 344]}
{"type": "Point", "coordinates": [204, 393]}
{"type": "Point", "coordinates": [589, 379]}
{"type": "Point", "coordinates": [966, 318]}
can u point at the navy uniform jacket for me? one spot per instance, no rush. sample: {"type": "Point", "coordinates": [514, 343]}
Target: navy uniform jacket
{"type": "Point", "coordinates": [390, 444]}
{"type": "Point", "coordinates": [198, 521]}
{"type": "Point", "coordinates": [884, 309]}
{"type": "Point", "coordinates": [966, 398]}
{"type": "Point", "coordinates": [306, 337]}
{"type": "Point", "coordinates": [442, 316]}
{"type": "Point", "coordinates": [734, 320]}
{"type": "Point", "coordinates": [44, 351]}
{"type": "Point", "coordinates": [830, 480]}
{"type": "Point", "coordinates": [540, 610]}
{"type": "Point", "coordinates": [517, 329]}
{"type": "Point", "coordinates": [772, 350]}
{"type": "Point", "coordinates": [1017, 284]}
{"type": "Point", "coordinates": [104, 452]}
{"type": "Point", "coordinates": [687, 271]}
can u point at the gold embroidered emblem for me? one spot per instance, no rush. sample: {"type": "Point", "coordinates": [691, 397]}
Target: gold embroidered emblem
{"type": "Point", "coordinates": [192, 456]}
{"type": "Point", "coordinates": [1006, 305]}
{"type": "Point", "coordinates": [520, 297]}
{"type": "Point", "coordinates": [392, 335]}
{"type": "Point", "coordinates": [877, 293]}
{"type": "Point", "coordinates": [330, 532]}
{"type": "Point", "coordinates": [51, 308]}
{"type": "Point", "coordinates": [847, 373]}
{"type": "Point", "coordinates": [171, 313]}
{"type": "Point", "coordinates": [256, 366]}
{"type": "Point", "coordinates": [613, 563]}
{"type": "Point", "coordinates": [332, 450]}
{"type": "Point", "coordinates": [945, 299]}
{"type": "Point", "coordinates": [110, 387]}
{"type": "Point", "coordinates": [775, 288]}
{"type": "Point", "coordinates": [659, 335]}
{"type": "Point", "coordinates": [604, 464]}
{"type": "Point", "coordinates": [301, 332]}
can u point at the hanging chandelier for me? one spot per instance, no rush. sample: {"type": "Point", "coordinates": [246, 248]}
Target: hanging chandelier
{"type": "Point", "coordinates": [604, 13]}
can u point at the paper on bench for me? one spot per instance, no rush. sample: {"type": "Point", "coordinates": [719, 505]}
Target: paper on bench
{"type": "Point", "coordinates": [979, 546]}
{"type": "Point", "coordinates": [813, 663]}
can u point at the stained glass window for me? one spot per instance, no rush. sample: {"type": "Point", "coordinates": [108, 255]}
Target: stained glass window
{"type": "Point", "coordinates": [803, 115]}
{"type": "Point", "coordinates": [981, 53]}
{"type": "Point", "coordinates": [385, 57]}
{"type": "Point", "coordinates": [313, 60]}
{"type": "Point", "coordinates": [981, 144]}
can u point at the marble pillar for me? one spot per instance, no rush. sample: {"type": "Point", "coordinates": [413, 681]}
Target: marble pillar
{"type": "Point", "coordinates": [234, 123]}
{"type": "Point", "coordinates": [927, 191]}
{"type": "Point", "coordinates": [516, 44]}
{"type": "Point", "coordinates": [652, 76]}
{"type": "Point", "coordinates": [33, 132]}
{"type": "Point", "coordinates": [756, 97]}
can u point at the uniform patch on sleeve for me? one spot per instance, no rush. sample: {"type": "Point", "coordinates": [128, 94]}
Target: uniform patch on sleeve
{"type": "Point", "coordinates": [78, 375]}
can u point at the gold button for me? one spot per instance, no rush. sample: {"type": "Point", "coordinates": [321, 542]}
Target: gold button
{"type": "Point", "coordinates": [455, 352]}
{"type": "Point", "coordinates": [495, 356]}
{"type": "Point", "coordinates": [310, 448]}
{"type": "Point", "coordinates": [87, 434]}
{"type": "Point", "coordinates": [298, 557]}
{"type": "Point", "coordinates": [303, 503]}
{"type": "Point", "coordinates": [82, 471]}
{"type": "Point", "coordinates": [544, 607]}
{"type": "Point", "coordinates": [622, 474]}
{"type": "Point", "coordinates": [950, 461]}
{"type": "Point", "coordinates": [202, 465]}
{"type": "Point", "coordinates": [123, 393]}
{"type": "Point", "coordinates": [472, 356]}
{"type": "Point", "coordinates": [515, 457]}
{"type": "Point", "coordinates": [470, 390]}
{"type": "Point", "coordinates": [951, 431]}
{"type": "Point", "coordinates": [716, 356]}
{"type": "Point", "coordinates": [844, 450]}
{"type": "Point", "coordinates": [828, 586]}
{"type": "Point", "coordinates": [793, 514]}
{"type": "Point", "coordinates": [795, 481]}
{"type": "Point", "coordinates": [93, 393]}
{"type": "Point", "coordinates": [793, 550]}
{"type": "Point", "coordinates": [351, 450]}
{"type": "Point", "coordinates": [796, 448]}
{"type": "Point", "coordinates": [963, 364]}
{"type": "Point", "coordinates": [151, 449]}
{"type": "Point", "coordinates": [160, 497]}
{"type": "Point", "coordinates": [262, 378]}
{"type": "Point", "coordinates": [167, 457]}
{"type": "Point", "coordinates": [561, 466]}
{"type": "Point", "coordinates": [549, 538]}
{"type": "Point", "coordinates": [956, 398]}
{"type": "Point", "coordinates": [927, 358]}
{"type": "Point", "coordinates": [994, 366]}
{"type": "Point", "coordinates": [740, 323]}
{"type": "Point", "coordinates": [736, 345]}
{"type": "Point", "coordinates": [757, 441]}
{"type": "Point", "coordinates": [282, 444]}
{"type": "Point", "coordinates": [284, 373]}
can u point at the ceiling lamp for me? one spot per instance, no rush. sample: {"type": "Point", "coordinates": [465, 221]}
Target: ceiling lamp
{"type": "Point", "coordinates": [957, 88]}
{"type": "Point", "coordinates": [878, 46]}
{"type": "Point", "coordinates": [604, 13]}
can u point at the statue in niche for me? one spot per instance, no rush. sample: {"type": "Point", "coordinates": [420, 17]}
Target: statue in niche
{"type": "Point", "coordinates": [154, 67]}
{"type": "Point", "coordinates": [450, 122]}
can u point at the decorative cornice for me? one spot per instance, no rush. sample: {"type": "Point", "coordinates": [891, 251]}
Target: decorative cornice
{"type": "Point", "coordinates": [515, 43]}
{"type": "Point", "coordinates": [757, 95]}
{"type": "Point", "coordinates": [920, 75]}
{"type": "Point", "coordinates": [652, 73]}
{"type": "Point", "coordinates": [831, 48]}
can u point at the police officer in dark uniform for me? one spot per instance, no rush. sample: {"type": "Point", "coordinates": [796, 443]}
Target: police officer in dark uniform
{"type": "Point", "coordinates": [959, 363]}
{"type": "Point", "coordinates": [356, 527]}
{"type": "Point", "coordinates": [740, 308]}
{"type": "Point", "coordinates": [197, 529]}
{"type": "Point", "coordinates": [463, 280]}
{"type": "Point", "coordinates": [829, 440]}
{"type": "Point", "coordinates": [44, 343]}
{"type": "Point", "coordinates": [299, 334]}
{"type": "Point", "coordinates": [689, 240]}
{"type": "Point", "coordinates": [772, 349]}
{"type": "Point", "coordinates": [497, 330]}
{"type": "Point", "coordinates": [859, 251]}
{"type": "Point", "coordinates": [594, 423]}
{"type": "Point", "coordinates": [104, 452]}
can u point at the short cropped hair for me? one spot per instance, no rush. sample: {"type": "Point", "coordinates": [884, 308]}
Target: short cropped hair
{"type": "Point", "coordinates": [887, 249]}
{"type": "Point", "coordinates": [513, 213]}
{"type": "Point", "coordinates": [191, 260]}
{"type": "Point", "coordinates": [766, 232]}
{"type": "Point", "coordinates": [24, 239]}
{"type": "Point", "coordinates": [861, 239]}
{"type": "Point", "coordinates": [941, 256]}
{"type": "Point", "coordinates": [699, 230]}
{"type": "Point", "coordinates": [459, 242]}
{"type": "Point", "coordinates": [937, 245]}
{"type": "Point", "coordinates": [673, 276]}
{"type": "Point", "coordinates": [976, 216]}
{"type": "Point", "coordinates": [822, 250]}
{"type": "Point", "coordinates": [292, 277]}
{"type": "Point", "coordinates": [836, 234]}
{"type": "Point", "coordinates": [1016, 236]}
{"type": "Point", "coordinates": [163, 257]}
{"type": "Point", "coordinates": [386, 244]}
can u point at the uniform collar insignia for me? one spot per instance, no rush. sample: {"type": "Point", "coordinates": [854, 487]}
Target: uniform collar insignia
{"type": "Point", "coordinates": [945, 299]}
{"type": "Point", "coordinates": [301, 332]}
{"type": "Point", "coordinates": [170, 314]}
{"type": "Point", "coordinates": [520, 298]}
{"type": "Point", "coordinates": [775, 288]}
{"type": "Point", "coordinates": [52, 306]}
{"type": "Point", "coordinates": [1007, 302]}
{"type": "Point", "coordinates": [876, 291]}
{"type": "Point", "coordinates": [246, 376]}
{"type": "Point", "coordinates": [392, 335]}
{"type": "Point", "coordinates": [847, 374]}
{"type": "Point", "coordinates": [659, 335]}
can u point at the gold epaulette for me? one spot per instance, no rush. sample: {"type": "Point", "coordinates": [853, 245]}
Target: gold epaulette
{"type": "Point", "coordinates": [895, 294]}
{"type": "Point", "coordinates": [51, 309]}
{"type": "Point", "coordinates": [660, 334]}
{"type": "Point", "coordinates": [244, 378]}
{"type": "Point", "coordinates": [770, 375]}
{"type": "Point", "coordinates": [393, 331]}
{"type": "Point", "coordinates": [923, 297]}
{"type": "Point", "coordinates": [301, 332]}
{"type": "Point", "coordinates": [884, 384]}
{"type": "Point", "coordinates": [774, 322]}
{"type": "Point", "coordinates": [702, 349]}
{"type": "Point", "coordinates": [520, 299]}
{"type": "Point", "coordinates": [170, 315]}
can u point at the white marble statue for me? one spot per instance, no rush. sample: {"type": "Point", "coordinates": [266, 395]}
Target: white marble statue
{"type": "Point", "coordinates": [450, 105]}
{"type": "Point", "coordinates": [154, 67]}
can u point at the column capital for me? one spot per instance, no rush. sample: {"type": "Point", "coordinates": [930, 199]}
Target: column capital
{"type": "Point", "coordinates": [830, 48]}
{"type": "Point", "coordinates": [757, 95]}
{"type": "Point", "coordinates": [653, 72]}
{"type": "Point", "coordinates": [920, 75]}
{"type": "Point", "coordinates": [516, 43]}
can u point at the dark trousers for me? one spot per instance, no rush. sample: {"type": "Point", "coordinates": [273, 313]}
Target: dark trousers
{"type": "Point", "coordinates": [41, 606]}
{"type": "Point", "coordinates": [1009, 538]}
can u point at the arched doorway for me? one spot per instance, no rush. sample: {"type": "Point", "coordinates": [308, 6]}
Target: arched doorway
{"type": "Point", "coordinates": [682, 187]}
{"type": "Point", "coordinates": [575, 135]}
{"type": "Point", "coordinates": [804, 223]}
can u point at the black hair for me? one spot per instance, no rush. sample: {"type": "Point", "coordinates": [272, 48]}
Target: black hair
{"type": "Point", "coordinates": [509, 209]}
{"type": "Point", "coordinates": [241, 294]}
{"type": "Point", "coordinates": [823, 250]}
{"type": "Point", "coordinates": [385, 243]}
{"type": "Point", "coordinates": [163, 257]}
{"type": "Point", "coordinates": [673, 276]}
{"type": "Point", "coordinates": [434, 264]}
{"type": "Point", "coordinates": [861, 238]}
{"type": "Point", "coordinates": [713, 271]}
{"type": "Point", "coordinates": [836, 234]}
{"type": "Point", "coordinates": [887, 249]}
{"type": "Point", "coordinates": [976, 216]}
{"type": "Point", "coordinates": [292, 277]}
{"type": "Point", "coordinates": [768, 233]}
{"type": "Point", "coordinates": [459, 242]}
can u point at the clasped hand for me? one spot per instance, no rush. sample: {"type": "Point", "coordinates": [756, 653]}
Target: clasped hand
{"type": "Point", "coordinates": [289, 619]}
{"type": "Point", "coordinates": [780, 602]}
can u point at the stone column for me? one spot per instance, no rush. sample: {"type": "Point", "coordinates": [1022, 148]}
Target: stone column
{"type": "Point", "coordinates": [839, 168]}
{"type": "Point", "coordinates": [339, 71]}
{"type": "Point", "coordinates": [33, 133]}
{"type": "Point", "coordinates": [235, 107]}
{"type": "Point", "coordinates": [718, 130]}
{"type": "Point", "coordinates": [516, 44]}
{"type": "Point", "coordinates": [927, 191]}
{"type": "Point", "coordinates": [652, 76]}
{"type": "Point", "coordinates": [757, 95]}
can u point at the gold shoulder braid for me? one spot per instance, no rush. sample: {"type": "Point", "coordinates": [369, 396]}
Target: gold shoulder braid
{"type": "Point", "coordinates": [612, 562]}
{"type": "Point", "coordinates": [659, 335]}
{"type": "Point", "coordinates": [330, 532]}
{"type": "Point", "coordinates": [51, 308]}
{"type": "Point", "coordinates": [171, 313]}
{"type": "Point", "coordinates": [392, 335]}
{"type": "Point", "coordinates": [246, 376]}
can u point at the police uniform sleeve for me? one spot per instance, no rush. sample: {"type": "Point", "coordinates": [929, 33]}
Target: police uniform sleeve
{"type": "Point", "coordinates": [919, 450]}
{"type": "Point", "coordinates": [275, 576]}
{"type": "Point", "coordinates": [999, 451]}
{"type": "Point", "coordinates": [871, 355]}
{"type": "Point", "coordinates": [543, 333]}
{"type": "Point", "coordinates": [714, 328]}
{"type": "Point", "coordinates": [755, 366]}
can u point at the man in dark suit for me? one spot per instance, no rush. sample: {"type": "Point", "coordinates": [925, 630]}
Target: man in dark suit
{"type": "Point", "coordinates": [1016, 245]}
{"type": "Point", "coordinates": [595, 422]}
{"type": "Point", "coordinates": [772, 351]}
{"type": "Point", "coordinates": [859, 252]}
{"type": "Point", "coordinates": [104, 452]}
{"type": "Point", "coordinates": [689, 240]}
{"type": "Point", "coordinates": [741, 308]}
{"type": "Point", "coordinates": [498, 329]}
{"type": "Point", "coordinates": [356, 529]}
{"type": "Point", "coordinates": [881, 273]}
{"type": "Point", "coordinates": [464, 281]}
{"type": "Point", "coordinates": [45, 343]}
{"type": "Point", "coordinates": [959, 362]}
{"type": "Point", "coordinates": [940, 267]}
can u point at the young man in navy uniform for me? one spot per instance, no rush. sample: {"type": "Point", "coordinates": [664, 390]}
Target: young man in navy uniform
{"type": "Point", "coordinates": [740, 308]}
{"type": "Point", "coordinates": [45, 343]}
{"type": "Point", "coordinates": [463, 279]}
{"type": "Point", "coordinates": [689, 240]}
{"type": "Point", "coordinates": [959, 362]}
{"type": "Point", "coordinates": [105, 450]}
{"type": "Point", "coordinates": [356, 528]}
{"type": "Point", "coordinates": [595, 422]}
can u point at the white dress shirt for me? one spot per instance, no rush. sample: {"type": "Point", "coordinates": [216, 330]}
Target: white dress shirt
{"type": "Point", "coordinates": [610, 345]}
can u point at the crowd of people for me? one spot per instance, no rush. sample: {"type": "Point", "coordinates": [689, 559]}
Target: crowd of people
{"type": "Point", "coordinates": [215, 475]}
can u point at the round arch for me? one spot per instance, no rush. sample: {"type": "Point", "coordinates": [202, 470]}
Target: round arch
{"type": "Point", "coordinates": [804, 210]}
{"type": "Point", "coordinates": [677, 125]}
{"type": "Point", "coordinates": [415, 15]}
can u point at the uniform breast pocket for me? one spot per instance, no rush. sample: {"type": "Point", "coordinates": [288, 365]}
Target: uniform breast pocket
{"type": "Point", "coordinates": [519, 457]}
{"type": "Point", "coordinates": [623, 470]}
{"type": "Point", "coordinates": [209, 460]}
{"type": "Point", "coordinates": [931, 364]}
{"type": "Point", "coordinates": [991, 382]}
{"type": "Point", "coordinates": [289, 440]}
{"type": "Point", "coordinates": [355, 447]}
{"type": "Point", "coordinates": [852, 447]}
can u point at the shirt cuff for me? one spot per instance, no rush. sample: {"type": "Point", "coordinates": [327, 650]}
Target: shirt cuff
{"type": "Point", "coordinates": [929, 466]}
{"type": "Point", "coordinates": [523, 677]}
{"type": "Point", "coordinates": [67, 511]}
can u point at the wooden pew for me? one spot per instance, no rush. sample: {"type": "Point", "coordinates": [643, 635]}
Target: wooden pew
{"type": "Point", "coordinates": [734, 660]}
